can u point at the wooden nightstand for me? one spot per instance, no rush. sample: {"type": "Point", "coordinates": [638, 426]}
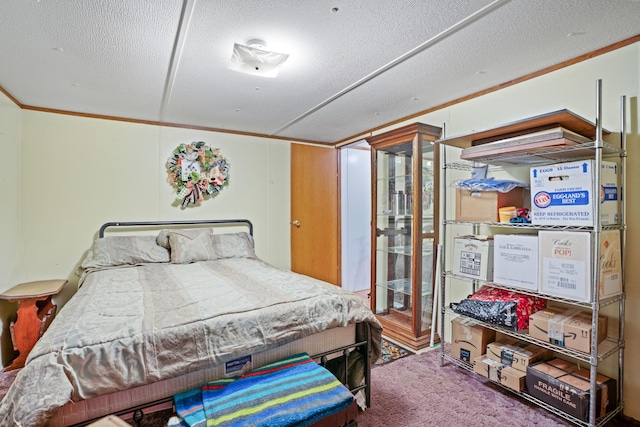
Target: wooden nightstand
{"type": "Point", "coordinates": [35, 313]}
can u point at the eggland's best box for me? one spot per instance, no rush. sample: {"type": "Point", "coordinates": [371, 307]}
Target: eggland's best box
{"type": "Point", "coordinates": [565, 194]}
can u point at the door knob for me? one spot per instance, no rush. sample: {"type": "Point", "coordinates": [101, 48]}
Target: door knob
{"type": "Point", "coordinates": [296, 223]}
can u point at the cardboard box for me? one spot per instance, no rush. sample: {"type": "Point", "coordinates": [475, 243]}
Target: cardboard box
{"type": "Point", "coordinates": [565, 194]}
{"type": "Point", "coordinates": [568, 392]}
{"type": "Point", "coordinates": [468, 339]}
{"type": "Point", "coordinates": [494, 349]}
{"type": "Point", "coordinates": [515, 260]}
{"type": "Point", "coordinates": [566, 269]}
{"type": "Point", "coordinates": [570, 328]}
{"type": "Point", "coordinates": [608, 402]}
{"type": "Point", "coordinates": [562, 364]}
{"type": "Point", "coordinates": [473, 257]}
{"type": "Point", "coordinates": [565, 264]}
{"type": "Point", "coordinates": [513, 378]}
{"type": "Point", "coordinates": [488, 368]}
{"type": "Point", "coordinates": [495, 371]}
{"type": "Point", "coordinates": [517, 355]}
{"type": "Point", "coordinates": [482, 206]}
{"type": "Point", "coordinates": [610, 281]}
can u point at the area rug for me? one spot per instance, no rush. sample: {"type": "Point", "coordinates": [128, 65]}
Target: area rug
{"type": "Point", "coordinates": [391, 351]}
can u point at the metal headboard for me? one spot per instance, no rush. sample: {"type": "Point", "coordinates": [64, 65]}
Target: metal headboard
{"type": "Point", "coordinates": [171, 223]}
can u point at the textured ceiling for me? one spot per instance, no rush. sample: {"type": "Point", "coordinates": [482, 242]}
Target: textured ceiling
{"type": "Point", "coordinates": [369, 63]}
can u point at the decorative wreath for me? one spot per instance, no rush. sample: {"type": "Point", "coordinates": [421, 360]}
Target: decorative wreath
{"type": "Point", "coordinates": [197, 171]}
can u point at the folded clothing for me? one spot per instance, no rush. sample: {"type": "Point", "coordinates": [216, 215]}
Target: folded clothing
{"type": "Point", "coordinates": [294, 391]}
{"type": "Point", "coordinates": [501, 307]}
{"type": "Point", "coordinates": [489, 184]}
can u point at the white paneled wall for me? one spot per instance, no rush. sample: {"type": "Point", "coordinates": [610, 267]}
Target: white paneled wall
{"type": "Point", "coordinates": [355, 166]}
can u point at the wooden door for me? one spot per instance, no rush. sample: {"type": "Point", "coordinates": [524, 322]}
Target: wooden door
{"type": "Point", "coordinates": [314, 212]}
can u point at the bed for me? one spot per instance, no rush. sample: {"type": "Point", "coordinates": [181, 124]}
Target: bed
{"type": "Point", "coordinates": [172, 305]}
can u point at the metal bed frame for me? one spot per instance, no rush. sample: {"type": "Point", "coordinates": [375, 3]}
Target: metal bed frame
{"type": "Point", "coordinates": [173, 223]}
{"type": "Point", "coordinates": [363, 346]}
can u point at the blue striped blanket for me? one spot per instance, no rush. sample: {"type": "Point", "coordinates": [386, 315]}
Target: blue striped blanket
{"type": "Point", "coordinates": [295, 391]}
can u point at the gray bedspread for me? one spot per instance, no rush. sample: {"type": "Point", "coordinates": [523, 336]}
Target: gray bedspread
{"type": "Point", "coordinates": [130, 326]}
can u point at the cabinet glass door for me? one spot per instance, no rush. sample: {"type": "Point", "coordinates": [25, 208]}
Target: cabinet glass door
{"type": "Point", "coordinates": [394, 234]}
{"type": "Point", "coordinates": [428, 188]}
{"type": "Point", "coordinates": [428, 233]}
{"type": "Point", "coordinates": [395, 286]}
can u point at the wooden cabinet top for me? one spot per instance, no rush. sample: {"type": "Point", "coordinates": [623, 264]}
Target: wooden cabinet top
{"type": "Point", "coordinates": [405, 133]}
{"type": "Point", "coordinates": [564, 118]}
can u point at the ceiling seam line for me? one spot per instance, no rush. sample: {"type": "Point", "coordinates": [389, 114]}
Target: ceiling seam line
{"type": "Point", "coordinates": [178, 47]}
{"type": "Point", "coordinates": [432, 41]}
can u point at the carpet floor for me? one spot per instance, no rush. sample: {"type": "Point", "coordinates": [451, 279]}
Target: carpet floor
{"type": "Point", "coordinates": [416, 391]}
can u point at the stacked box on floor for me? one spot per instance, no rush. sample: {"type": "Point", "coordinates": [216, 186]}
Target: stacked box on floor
{"type": "Point", "coordinates": [562, 385]}
{"type": "Point", "coordinates": [496, 371]}
{"type": "Point", "coordinates": [513, 378]}
{"type": "Point", "coordinates": [486, 367]}
{"type": "Point", "coordinates": [517, 354]}
{"type": "Point", "coordinates": [507, 359]}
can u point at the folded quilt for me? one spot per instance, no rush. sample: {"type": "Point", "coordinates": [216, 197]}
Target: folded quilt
{"type": "Point", "coordinates": [295, 391]}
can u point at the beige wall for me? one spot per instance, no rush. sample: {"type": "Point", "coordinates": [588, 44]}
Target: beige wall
{"type": "Point", "coordinates": [574, 88]}
{"type": "Point", "coordinates": [632, 272]}
{"type": "Point", "coordinates": [78, 173]}
{"type": "Point", "coordinates": [10, 125]}
{"type": "Point", "coordinates": [73, 174]}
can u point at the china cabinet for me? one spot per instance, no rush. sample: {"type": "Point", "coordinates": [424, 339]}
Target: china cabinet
{"type": "Point", "coordinates": [404, 231]}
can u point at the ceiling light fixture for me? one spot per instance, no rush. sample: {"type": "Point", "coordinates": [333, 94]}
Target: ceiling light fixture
{"type": "Point", "coordinates": [254, 59]}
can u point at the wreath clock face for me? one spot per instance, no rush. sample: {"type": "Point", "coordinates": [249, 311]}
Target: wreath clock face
{"type": "Point", "coordinates": [188, 167]}
{"type": "Point", "coordinates": [197, 172]}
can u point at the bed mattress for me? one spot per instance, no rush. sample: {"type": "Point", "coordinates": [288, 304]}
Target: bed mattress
{"type": "Point", "coordinates": [77, 412]}
{"type": "Point", "coordinates": [133, 326]}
